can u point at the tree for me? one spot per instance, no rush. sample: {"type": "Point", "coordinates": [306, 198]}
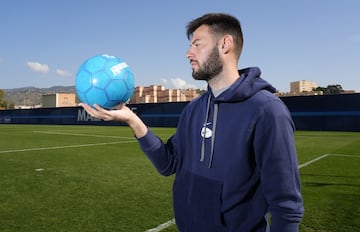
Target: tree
{"type": "Point", "coordinates": [3, 103]}
{"type": "Point", "coordinates": [330, 89]}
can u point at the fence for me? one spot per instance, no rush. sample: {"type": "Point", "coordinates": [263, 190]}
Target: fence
{"type": "Point", "coordinates": [325, 112]}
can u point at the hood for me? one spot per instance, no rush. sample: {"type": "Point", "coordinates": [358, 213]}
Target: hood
{"type": "Point", "coordinates": [247, 85]}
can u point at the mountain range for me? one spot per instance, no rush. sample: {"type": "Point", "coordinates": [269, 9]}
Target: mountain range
{"type": "Point", "coordinates": [32, 96]}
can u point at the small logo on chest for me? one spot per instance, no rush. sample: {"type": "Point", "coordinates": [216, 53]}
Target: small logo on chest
{"type": "Point", "coordinates": [206, 132]}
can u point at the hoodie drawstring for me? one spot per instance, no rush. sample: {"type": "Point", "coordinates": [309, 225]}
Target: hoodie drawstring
{"type": "Point", "coordinates": [216, 110]}
{"type": "Point", "coordinates": [203, 131]}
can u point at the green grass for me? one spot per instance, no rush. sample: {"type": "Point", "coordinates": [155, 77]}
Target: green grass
{"type": "Point", "coordinates": [331, 185]}
{"type": "Point", "coordinates": [95, 178]}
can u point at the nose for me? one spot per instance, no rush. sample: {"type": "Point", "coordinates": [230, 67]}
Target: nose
{"type": "Point", "coordinates": [189, 53]}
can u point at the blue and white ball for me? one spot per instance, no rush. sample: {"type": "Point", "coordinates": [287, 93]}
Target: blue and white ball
{"type": "Point", "coordinates": [104, 80]}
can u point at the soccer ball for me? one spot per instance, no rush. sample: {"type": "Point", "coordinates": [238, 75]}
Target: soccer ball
{"type": "Point", "coordinates": [104, 80]}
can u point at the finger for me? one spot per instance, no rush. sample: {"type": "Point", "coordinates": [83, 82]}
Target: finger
{"type": "Point", "coordinates": [120, 106]}
{"type": "Point", "coordinates": [101, 110]}
{"type": "Point", "coordinates": [97, 107]}
{"type": "Point", "coordinates": [90, 110]}
{"type": "Point", "coordinates": [103, 113]}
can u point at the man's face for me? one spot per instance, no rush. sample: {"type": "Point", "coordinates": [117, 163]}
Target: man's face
{"type": "Point", "coordinates": [204, 55]}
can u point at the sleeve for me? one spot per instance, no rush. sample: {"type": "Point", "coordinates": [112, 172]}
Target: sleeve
{"type": "Point", "coordinates": [276, 157]}
{"type": "Point", "coordinates": [161, 155]}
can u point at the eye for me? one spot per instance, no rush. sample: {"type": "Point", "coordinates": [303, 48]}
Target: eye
{"type": "Point", "coordinates": [195, 44]}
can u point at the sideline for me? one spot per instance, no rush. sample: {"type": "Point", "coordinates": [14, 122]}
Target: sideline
{"type": "Point", "coordinates": [85, 135]}
{"type": "Point", "coordinates": [71, 146]}
{"type": "Point", "coordinates": [312, 161]}
{"type": "Point", "coordinates": [63, 147]}
{"type": "Point", "coordinates": [162, 226]}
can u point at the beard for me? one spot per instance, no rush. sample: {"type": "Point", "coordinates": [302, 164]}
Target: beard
{"type": "Point", "coordinates": [210, 68]}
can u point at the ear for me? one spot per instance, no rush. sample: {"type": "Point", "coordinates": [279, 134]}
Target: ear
{"type": "Point", "coordinates": [227, 43]}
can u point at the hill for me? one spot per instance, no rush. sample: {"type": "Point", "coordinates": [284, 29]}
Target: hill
{"type": "Point", "coordinates": [32, 96]}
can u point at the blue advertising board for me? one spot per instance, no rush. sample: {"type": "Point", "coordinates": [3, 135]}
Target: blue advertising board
{"type": "Point", "coordinates": [324, 112]}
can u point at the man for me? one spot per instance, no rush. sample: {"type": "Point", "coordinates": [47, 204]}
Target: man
{"type": "Point", "coordinates": [233, 152]}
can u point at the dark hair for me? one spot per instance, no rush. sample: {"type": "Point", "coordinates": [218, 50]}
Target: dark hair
{"type": "Point", "coordinates": [220, 24]}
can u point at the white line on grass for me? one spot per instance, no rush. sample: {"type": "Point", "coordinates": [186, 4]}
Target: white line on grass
{"type": "Point", "coordinates": [162, 226]}
{"type": "Point", "coordinates": [343, 155]}
{"type": "Point", "coordinates": [85, 135]}
{"type": "Point", "coordinates": [312, 161]}
{"type": "Point", "coordinates": [323, 156]}
{"type": "Point", "coordinates": [63, 147]}
{"type": "Point", "coordinates": [172, 221]}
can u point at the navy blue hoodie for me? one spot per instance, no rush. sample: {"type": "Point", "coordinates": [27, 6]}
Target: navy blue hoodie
{"type": "Point", "coordinates": [235, 161]}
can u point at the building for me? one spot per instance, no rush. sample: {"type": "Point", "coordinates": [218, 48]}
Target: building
{"type": "Point", "coordinates": [298, 87]}
{"type": "Point", "coordinates": [58, 100]}
{"type": "Point", "coordinates": [158, 93]}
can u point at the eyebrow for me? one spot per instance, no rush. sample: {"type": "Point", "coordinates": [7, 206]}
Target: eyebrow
{"type": "Point", "coordinates": [195, 40]}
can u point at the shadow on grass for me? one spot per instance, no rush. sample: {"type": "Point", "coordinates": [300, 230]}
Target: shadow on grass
{"type": "Point", "coordinates": [320, 184]}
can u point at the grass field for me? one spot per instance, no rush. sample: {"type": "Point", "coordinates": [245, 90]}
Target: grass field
{"type": "Point", "coordinates": [95, 178]}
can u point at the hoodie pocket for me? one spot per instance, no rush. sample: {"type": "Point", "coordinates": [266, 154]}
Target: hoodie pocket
{"type": "Point", "coordinates": [197, 203]}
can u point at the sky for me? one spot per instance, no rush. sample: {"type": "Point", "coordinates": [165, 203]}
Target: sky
{"type": "Point", "coordinates": [43, 43]}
